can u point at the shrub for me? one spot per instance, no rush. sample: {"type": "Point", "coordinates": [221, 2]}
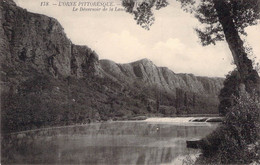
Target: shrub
{"type": "Point", "coordinates": [231, 88]}
{"type": "Point", "coordinates": [229, 144]}
{"type": "Point", "coordinates": [243, 118]}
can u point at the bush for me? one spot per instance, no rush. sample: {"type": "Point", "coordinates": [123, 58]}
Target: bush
{"type": "Point", "coordinates": [229, 144]}
{"type": "Point", "coordinates": [243, 118]}
{"type": "Point", "coordinates": [231, 88]}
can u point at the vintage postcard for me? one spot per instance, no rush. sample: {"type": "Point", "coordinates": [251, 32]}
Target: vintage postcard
{"type": "Point", "coordinates": [118, 82]}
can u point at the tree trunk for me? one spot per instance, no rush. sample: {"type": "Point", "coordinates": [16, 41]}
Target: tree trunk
{"type": "Point", "coordinates": [248, 75]}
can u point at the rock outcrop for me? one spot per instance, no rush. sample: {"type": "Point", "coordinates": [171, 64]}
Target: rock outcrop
{"type": "Point", "coordinates": [39, 41]}
{"type": "Point", "coordinates": [149, 74]}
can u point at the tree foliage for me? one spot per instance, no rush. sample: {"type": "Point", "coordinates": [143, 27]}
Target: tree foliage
{"type": "Point", "coordinates": [243, 13]}
{"type": "Point", "coordinates": [143, 11]}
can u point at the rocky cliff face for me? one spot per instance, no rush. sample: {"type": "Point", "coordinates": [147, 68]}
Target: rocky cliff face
{"type": "Point", "coordinates": [39, 41]}
{"type": "Point", "coordinates": [146, 72]}
{"type": "Point", "coordinates": [47, 80]}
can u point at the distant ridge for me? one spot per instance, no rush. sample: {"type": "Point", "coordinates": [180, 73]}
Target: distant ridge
{"type": "Point", "coordinates": [146, 71]}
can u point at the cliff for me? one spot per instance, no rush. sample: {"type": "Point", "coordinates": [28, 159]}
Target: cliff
{"type": "Point", "coordinates": [149, 74]}
{"type": "Point", "coordinates": [47, 80]}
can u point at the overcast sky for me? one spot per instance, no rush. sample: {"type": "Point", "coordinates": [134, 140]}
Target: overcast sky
{"type": "Point", "coordinates": [171, 41]}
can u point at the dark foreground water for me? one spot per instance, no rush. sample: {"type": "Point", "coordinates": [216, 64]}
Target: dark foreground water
{"type": "Point", "coordinates": [155, 141]}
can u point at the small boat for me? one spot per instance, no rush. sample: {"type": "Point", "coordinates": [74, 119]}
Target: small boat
{"type": "Point", "coordinates": [193, 143]}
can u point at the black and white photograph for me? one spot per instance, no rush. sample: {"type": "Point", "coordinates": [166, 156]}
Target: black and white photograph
{"type": "Point", "coordinates": [130, 82]}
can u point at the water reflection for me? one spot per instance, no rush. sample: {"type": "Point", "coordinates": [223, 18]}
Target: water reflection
{"type": "Point", "coordinates": [104, 143]}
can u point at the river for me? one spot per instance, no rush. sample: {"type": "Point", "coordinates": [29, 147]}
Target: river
{"type": "Point", "coordinates": [152, 141]}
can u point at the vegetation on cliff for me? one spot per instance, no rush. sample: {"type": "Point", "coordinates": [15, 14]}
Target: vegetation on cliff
{"type": "Point", "coordinates": [42, 101]}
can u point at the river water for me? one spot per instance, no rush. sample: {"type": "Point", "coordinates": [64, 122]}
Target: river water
{"type": "Point", "coordinates": [152, 141]}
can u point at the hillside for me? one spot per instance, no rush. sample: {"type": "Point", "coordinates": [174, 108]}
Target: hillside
{"type": "Point", "coordinates": [149, 74]}
{"type": "Point", "coordinates": [47, 80]}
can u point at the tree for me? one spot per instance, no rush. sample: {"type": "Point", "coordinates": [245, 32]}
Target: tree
{"type": "Point", "coordinates": [194, 100]}
{"type": "Point", "coordinates": [221, 19]}
{"type": "Point", "coordinates": [185, 101]}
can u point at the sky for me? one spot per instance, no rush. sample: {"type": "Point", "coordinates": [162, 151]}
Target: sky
{"type": "Point", "coordinates": [171, 42]}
